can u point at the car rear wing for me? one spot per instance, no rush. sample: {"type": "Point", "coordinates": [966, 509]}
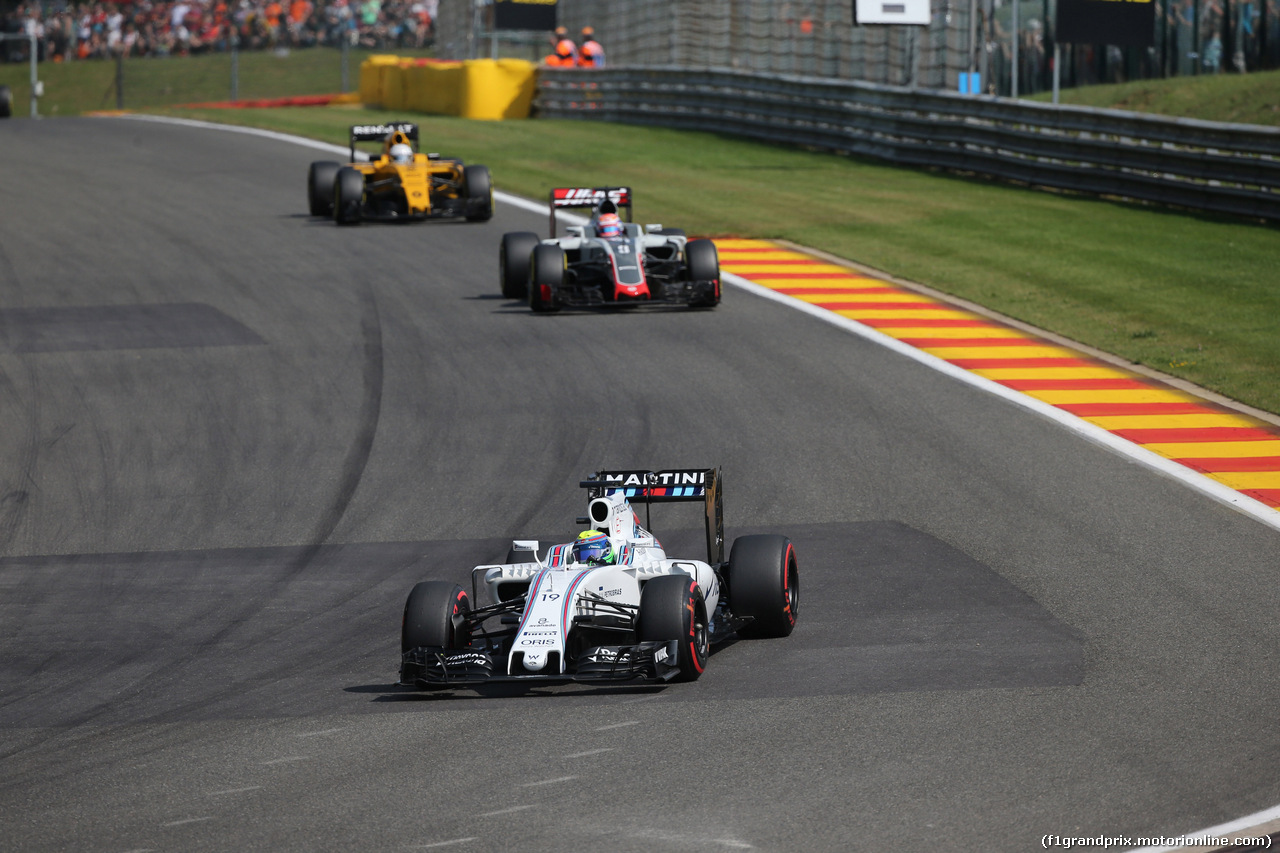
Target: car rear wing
{"type": "Point", "coordinates": [379, 132]}
{"type": "Point", "coordinates": [670, 486]}
{"type": "Point", "coordinates": [563, 198]}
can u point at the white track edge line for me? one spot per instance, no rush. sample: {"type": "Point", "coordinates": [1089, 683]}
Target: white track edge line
{"type": "Point", "coordinates": [1257, 819]}
{"type": "Point", "coordinates": [1092, 432]}
{"type": "Point", "coordinates": [1201, 483]}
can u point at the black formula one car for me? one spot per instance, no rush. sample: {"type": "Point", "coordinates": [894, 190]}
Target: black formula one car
{"type": "Point", "coordinates": [610, 261]}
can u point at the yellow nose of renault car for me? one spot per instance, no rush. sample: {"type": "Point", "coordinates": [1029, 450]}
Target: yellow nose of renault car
{"type": "Point", "coordinates": [399, 183]}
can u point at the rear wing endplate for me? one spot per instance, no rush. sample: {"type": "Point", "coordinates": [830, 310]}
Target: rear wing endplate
{"type": "Point", "coordinates": [670, 486]}
{"type": "Point", "coordinates": [563, 198]}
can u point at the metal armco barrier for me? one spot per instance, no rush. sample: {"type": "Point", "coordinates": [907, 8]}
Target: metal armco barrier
{"type": "Point", "coordinates": [1225, 168]}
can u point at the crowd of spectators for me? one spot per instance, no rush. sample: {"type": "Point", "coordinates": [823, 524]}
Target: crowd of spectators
{"type": "Point", "coordinates": [101, 30]}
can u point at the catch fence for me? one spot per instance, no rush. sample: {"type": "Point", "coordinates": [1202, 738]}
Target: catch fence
{"type": "Point", "coordinates": [818, 38]}
{"type": "Point", "coordinates": [1212, 166]}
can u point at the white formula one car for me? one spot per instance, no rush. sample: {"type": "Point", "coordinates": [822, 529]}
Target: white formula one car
{"type": "Point", "coordinates": [609, 606]}
{"type": "Point", "coordinates": [609, 261]}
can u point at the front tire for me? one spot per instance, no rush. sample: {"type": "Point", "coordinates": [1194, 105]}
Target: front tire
{"type": "Point", "coordinates": [671, 608]}
{"type": "Point", "coordinates": [702, 265]}
{"type": "Point", "coordinates": [513, 262]}
{"type": "Point", "coordinates": [478, 187]}
{"type": "Point", "coordinates": [546, 275]}
{"type": "Point", "coordinates": [320, 178]}
{"type": "Point", "coordinates": [348, 196]}
{"type": "Point", "coordinates": [6, 102]}
{"type": "Point", "coordinates": [432, 617]}
{"type": "Point", "coordinates": [764, 584]}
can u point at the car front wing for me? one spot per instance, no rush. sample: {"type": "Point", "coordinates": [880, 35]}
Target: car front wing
{"type": "Point", "coordinates": [427, 667]}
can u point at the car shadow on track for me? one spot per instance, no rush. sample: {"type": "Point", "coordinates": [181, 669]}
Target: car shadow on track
{"type": "Point", "coordinates": [884, 608]}
{"type": "Point", "coordinates": [396, 693]}
{"type": "Point", "coordinates": [383, 693]}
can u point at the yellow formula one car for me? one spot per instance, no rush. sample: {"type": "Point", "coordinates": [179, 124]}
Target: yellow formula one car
{"type": "Point", "coordinates": [399, 184]}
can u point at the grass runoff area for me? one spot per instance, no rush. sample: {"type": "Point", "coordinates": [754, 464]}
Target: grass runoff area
{"type": "Point", "coordinates": [81, 86]}
{"type": "Point", "coordinates": [1195, 296]}
{"type": "Point", "coordinates": [1241, 98]}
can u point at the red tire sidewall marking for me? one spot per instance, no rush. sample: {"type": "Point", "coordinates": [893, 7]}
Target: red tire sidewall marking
{"type": "Point", "coordinates": [691, 607]}
{"type": "Point", "coordinates": [786, 579]}
{"type": "Point", "coordinates": [457, 608]}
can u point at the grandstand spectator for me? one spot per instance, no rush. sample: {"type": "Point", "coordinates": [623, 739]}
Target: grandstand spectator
{"type": "Point", "coordinates": [369, 11]}
{"type": "Point", "coordinates": [273, 14]}
{"type": "Point", "coordinates": [59, 32]}
{"type": "Point", "coordinates": [36, 24]}
{"type": "Point", "coordinates": [93, 29]}
{"type": "Point", "coordinates": [422, 16]}
{"type": "Point", "coordinates": [115, 21]}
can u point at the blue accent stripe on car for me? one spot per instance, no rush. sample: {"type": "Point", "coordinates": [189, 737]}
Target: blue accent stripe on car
{"type": "Point", "coordinates": [533, 596]}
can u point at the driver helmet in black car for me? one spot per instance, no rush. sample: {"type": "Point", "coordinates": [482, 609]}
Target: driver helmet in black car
{"type": "Point", "coordinates": [608, 225]}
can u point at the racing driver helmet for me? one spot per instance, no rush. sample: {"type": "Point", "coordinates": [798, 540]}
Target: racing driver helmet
{"type": "Point", "coordinates": [401, 153]}
{"type": "Point", "coordinates": [608, 225]}
{"type": "Point", "coordinates": [593, 548]}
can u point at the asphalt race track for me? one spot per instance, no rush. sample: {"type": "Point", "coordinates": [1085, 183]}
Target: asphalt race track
{"type": "Point", "coordinates": [234, 437]}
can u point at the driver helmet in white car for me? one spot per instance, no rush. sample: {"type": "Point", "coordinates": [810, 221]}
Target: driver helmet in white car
{"type": "Point", "coordinates": [593, 548]}
{"type": "Point", "coordinates": [401, 153]}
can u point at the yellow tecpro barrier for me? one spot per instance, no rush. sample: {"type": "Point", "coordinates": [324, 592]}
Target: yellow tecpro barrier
{"type": "Point", "coordinates": [473, 88]}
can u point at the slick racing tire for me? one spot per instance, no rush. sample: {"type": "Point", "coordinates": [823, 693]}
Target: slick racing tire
{"type": "Point", "coordinates": [513, 262]}
{"type": "Point", "coordinates": [764, 584]}
{"type": "Point", "coordinates": [671, 608]}
{"type": "Point", "coordinates": [348, 196]}
{"type": "Point", "coordinates": [320, 178]}
{"type": "Point", "coordinates": [6, 102]}
{"type": "Point", "coordinates": [702, 264]}
{"type": "Point", "coordinates": [478, 187]}
{"type": "Point", "coordinates": [431, 617]}
{"type": "Point", "coordinates": [546, 275]}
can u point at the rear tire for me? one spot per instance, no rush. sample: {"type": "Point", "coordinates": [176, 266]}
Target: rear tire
{"type": "Point", "coordinates": [478, 187]}
{"type": "Point", "coordinates": [671, 608]}
{"type": "Point", "coordinates": [348, 196]}
{"type": "Point", "coordinates": [546, 275]}
{"type": "Point", "coordinates": [320, 178]}
{"type": "Point", "coordinates": [702, 264]}
{"type": "Point", "coordinates": [513, 262]}
{"type": "Point", "coordinates": [6, 102]}
{"type": "Point", "coordinates": [764, 584]}
{"type": "Point", "coordinates": [429, 617]}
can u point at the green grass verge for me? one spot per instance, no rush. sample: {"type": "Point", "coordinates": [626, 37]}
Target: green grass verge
{"type": "Point", "coordinates": [72, 88]}
{"type": "Point", "coordinates": [1242, 98]}
{"type": "Point", "coordinates": [1194, 296]}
